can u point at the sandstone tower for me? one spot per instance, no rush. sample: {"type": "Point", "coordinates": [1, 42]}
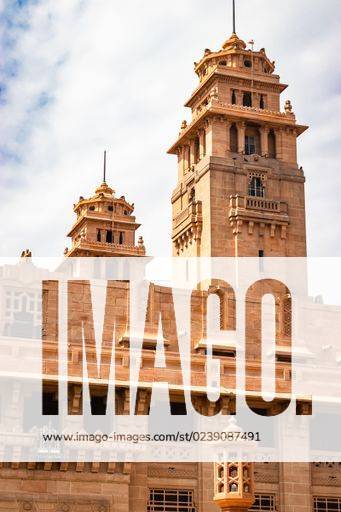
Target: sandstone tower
{"type": "Point", "coordinates": [105, 226]}
{"type": "Point", "coordinates": [240, 191]}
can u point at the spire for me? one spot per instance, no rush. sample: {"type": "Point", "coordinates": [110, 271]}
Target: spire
{"type": "Point", "coordinates": [234, 16]}
{"type": "Point", "coordinates": [234, 42]}
{"type": "Point", "coordinates": [105, 166]}
{"type": "Point", "coordinates": [104, 187]}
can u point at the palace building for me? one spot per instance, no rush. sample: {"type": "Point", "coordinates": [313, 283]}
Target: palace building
{"type": "Point", "coordinates": [240, 192]}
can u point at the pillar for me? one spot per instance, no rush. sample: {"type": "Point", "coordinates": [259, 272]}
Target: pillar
{"type": "Point", "coordinates": [228, 135]}
{"type": "Point", "coordinates": [295, 486]}
{"type": "Point", "coordinates": [180, 163]}
{"type": "Point", "coordinates": [239, 96]}
{"type": "Point", "coordinates": [279, 143]}
{"type": "Point", "coordinates": [255, 99]}
{"type": "Point", "coordinates": [192, 153]}
{"type": "Point", "coordinates": [202, 143]}
{"type": "Point", "coordinates": [186, 158]}
{"type": "Point", "coordinates": [241, 137]}
{"type": "Point", "coordinates": [264, 140]}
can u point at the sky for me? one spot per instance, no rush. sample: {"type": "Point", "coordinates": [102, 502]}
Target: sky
{"type": "Point", "coordinates": [81, 76]}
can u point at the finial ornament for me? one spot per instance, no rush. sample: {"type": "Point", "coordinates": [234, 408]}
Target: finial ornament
{"type": "Point", "coordinates": [105, 167]}
{"type": "Point", "coordinates": [234, 15]}
{"type": "Point", "coordinates": [26, 254]}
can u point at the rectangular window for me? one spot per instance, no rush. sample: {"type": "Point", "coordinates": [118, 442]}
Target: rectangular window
{"type": "Point", "coordinates": [326, 504]}
{"type": "Point", "coordinates": [261, 261]}
{"type": "Point", "coordinates": [171, 500]}
{"type": "Point", "coordinates": [250, 145]}
{"type": "Point", "coordinates": [264, 502]}
{"type": "Point", "coordinates": [50, 403]}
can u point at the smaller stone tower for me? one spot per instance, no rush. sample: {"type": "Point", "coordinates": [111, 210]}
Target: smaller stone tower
{"type": "Point", "coordinates": [105, 226]}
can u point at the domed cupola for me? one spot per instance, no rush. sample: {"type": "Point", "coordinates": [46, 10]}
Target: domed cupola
{"type": "Point", "coordinates": [234, 43]}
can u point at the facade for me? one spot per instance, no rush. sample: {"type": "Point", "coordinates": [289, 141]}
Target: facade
{"type": "Point", "coordinates": [240, 192]}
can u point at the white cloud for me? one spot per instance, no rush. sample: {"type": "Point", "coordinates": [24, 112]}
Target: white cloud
{"type": "Point", "coordinates": [115, 75]}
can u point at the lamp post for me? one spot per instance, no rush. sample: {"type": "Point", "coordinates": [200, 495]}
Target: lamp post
{"type": "Point", "coordinates": [233, 481]}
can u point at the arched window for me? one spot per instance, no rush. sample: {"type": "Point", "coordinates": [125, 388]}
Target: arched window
{"type": "Point", "coordinates": [221, 312]}
{"type": "Point", "coordinates": [272, 144]}
{"type": "Point", "coordinates": [192, 196]}
{"type": "Point", "coordinates": [234, 98]}
{"type": "Point", "coordinates": [256, 188]}
{"type": "Point", "coordinates": [247, 99]}
{"type": "Point", "coordinates": [234, 139]}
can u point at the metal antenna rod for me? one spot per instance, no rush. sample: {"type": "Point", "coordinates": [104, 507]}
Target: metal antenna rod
{"type": "Point", "coordinates": [105, 167]}
{"type": "Point", "coordinates": [234, 16]}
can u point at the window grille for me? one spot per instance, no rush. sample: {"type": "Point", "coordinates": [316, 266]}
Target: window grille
{"type": "Point", "coordinates": [327, 504]}
{"type": "Point", "coordinates": [264, 502]}
{"type": "Point", "coordinates": [250, 145]}
{"type": "Point", "coordinates": [171, 500]}
{"type": "Point", "coordinates": [287, 314]}
{"type": "Point", "coordinates": [256, 188]}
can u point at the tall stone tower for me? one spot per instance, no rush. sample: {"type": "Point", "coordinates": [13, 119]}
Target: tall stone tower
{"type": "Point", "coordinates": [240, 191]}
{"type": "Point", "coordinates": [105, 226]}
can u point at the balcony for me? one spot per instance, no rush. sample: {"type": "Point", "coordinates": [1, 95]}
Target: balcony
{"type": "Point", "coordinates": [187, 225]}
{"type": "Point", "coordinates": [258, 210]}
{"type": "Point", "coordinates": [256, 203]}
{"type": "Point", "coordinates": [109, 249]}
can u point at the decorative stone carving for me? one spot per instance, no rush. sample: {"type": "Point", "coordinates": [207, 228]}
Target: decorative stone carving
{"type": "Point", "coordinates": [288, 107]}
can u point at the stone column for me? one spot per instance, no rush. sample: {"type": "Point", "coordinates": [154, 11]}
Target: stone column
{"type": "Point", "coordinates": [295, 486]}
{"type": "Point", "coordinates": [241, 137]}
{"type": "Point", "coordinates": [255, 99]}
{"type": "Point", "coordinates": [279, 143]}
{"type": "Point", "coordinates": [239, 96]}
{"type": "Point", "coordinates": [192, 153]}
{"type": "Point", "coordinates": [264, 140]}
{"type": "Point", "coordinates": [180, 163]}
{"type": "Point", "coordinates": [228, 135]}
{"type": "Point", "coordinates": [202, 149]}
{"type": "Point", "coordinates": [186, 158]}
{"type": "Point", "coordinates": [138, 488]}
